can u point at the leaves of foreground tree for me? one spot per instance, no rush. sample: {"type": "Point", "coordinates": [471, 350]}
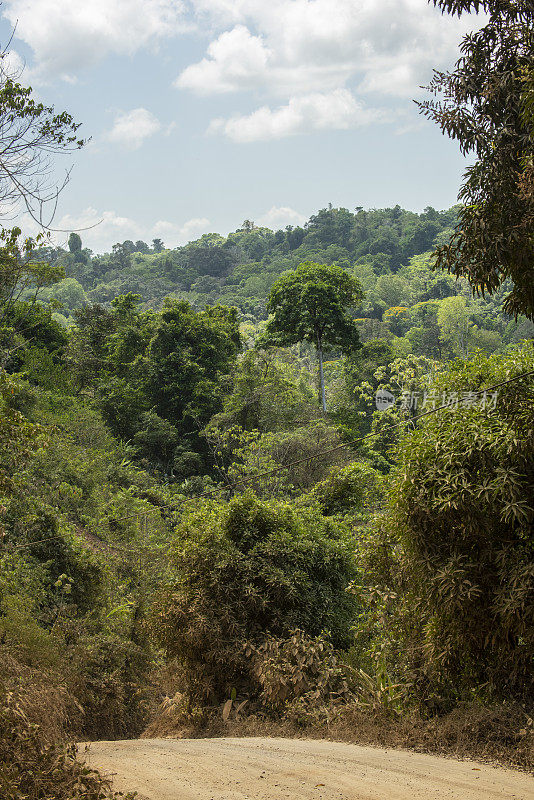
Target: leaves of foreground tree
{"type": "Point", "coordinates": [310, 304]}
{"type": "Point", "coordinates": [485, 106]}
{"type": "Point", "coordinates": [29, 133]}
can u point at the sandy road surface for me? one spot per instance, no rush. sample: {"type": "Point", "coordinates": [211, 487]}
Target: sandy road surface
{"type": "Point", "coordinates": [275, 769]}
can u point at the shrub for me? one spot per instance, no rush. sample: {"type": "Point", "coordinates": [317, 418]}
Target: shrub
{"type": "Point", "coordinates": [299, 667]}
{"type": "Point", "coordinates": [463, 511]}
{"type": "Point", "coordinates": [32, 769]}
{"type": "Point", "coordinates": [348, 489]}
{"type": "Point", "coordinates": [40, 696]}
{"type": "Point", "coordinates": [287, 463]}
{"type": "Point", "coordinates": [110, 680]}
{"type": "Point", "coordinates": [244, 570]}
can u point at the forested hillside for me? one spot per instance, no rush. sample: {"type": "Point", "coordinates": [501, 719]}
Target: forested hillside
{"type": "Point", "coordinates": [387, 250]}
{"type": "Point", "coordinates": [179, 513]}
{"type": "Point", "coordinates": [118, 326]}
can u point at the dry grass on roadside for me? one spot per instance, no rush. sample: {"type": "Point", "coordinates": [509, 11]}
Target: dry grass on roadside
{"type": "Point", "coordinates": [36, 762]}
{"type": "Point", "coordinates": [41, 697]}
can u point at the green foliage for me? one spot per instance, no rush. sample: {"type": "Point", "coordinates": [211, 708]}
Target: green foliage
{"type": "Point", "coordinates": [110, 679]}
{"type": "Point", "coordinates": [453, 320]}
{"type": "Point", "coordinates": [348, 489]}
{"type": "Point", "coordinates": [75, 242]}
{"type": "Point", "coordinates": [158, 378]}
{"type": "Point", "coordinates": [407, 379]}
{"type": "Point", "coordinates": [310, 304]}
{"type": "Point", "coordinates": [245, 570]}
{"type": "Point", "coordinates": [269, 393]}
{"type": "Point", "coordinates": [30, 132]}
{"type": "Point", "coordinates": [286, 462]}
{"type": "Point", "coordinates": [462, 511]}
{"type": "Point", "coordinates": [125, 412]}
{"type": "Point", "coordinates": [378, 691]}
{"type": "Point", "coordinates": [189, 354]}
{"type": "Point", "coordinates": [22, 319]}
{"type": "Point", "coordinates": [483, 108]}
{"type": "Point", "coordinates": [22, 634]}
{"type": "Point", "coordinates": [17, 435]}
{"type": "Point", "coordinates": [20, 271]}
{"type": "Point", "coordinates": [69, 293]}
{"type": "Point", "coordinates": [254, 258]}
{"type": "Point", "coordinates": [34, 325]}
{"type": "Point", "coordinates": [69, 602]}
{"type": "Point", "coordinates": [42, 368]}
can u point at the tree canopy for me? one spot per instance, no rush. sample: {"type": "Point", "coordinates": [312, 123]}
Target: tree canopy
{"type": "Point", "coordinates": [484, 105]}
{"type": "Point", "coordinates": [311, 303]}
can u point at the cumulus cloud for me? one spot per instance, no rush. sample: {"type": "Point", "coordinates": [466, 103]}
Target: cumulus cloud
{"type": "Point", "coordinates": [234, 61]}
{"type": "Point", "coordinates": [285, 46]}
{"type": "Point", "coordinates": [12, 64]}
{"type": "Point", "coordinates": [131, 128]}
{"type": "Point", "coordinates": [100, 230]}
{"type": "Point", "coordinates": [194, 228]}
{"type": "Point", "coordinates": [295, 51]}
{"type": "Point", "coordinates": [238, 60]}
{"type": "Point", "coordinates": [338, 110]}
{"type": "Point", "coordinates": [69, 35]}
{"type": "Point", "coordinates": [280, 216]}
{"type": "Point", "coordinates": [180, 234]}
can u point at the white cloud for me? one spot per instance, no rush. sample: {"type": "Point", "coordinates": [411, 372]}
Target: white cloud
{"type": "Point", "coordinates": [239, 60]}
{"type": "Point", "coordinates": [280, 216]}
{"type": "Point", "coordinates": [131, 128]}
{"type": "Point", "coordinates": [180, 234]}
{"type": "Point", "coordinates": [234, 61]}
{"type": "Point", "coordinates": [169, 129]}
{"type": "Point", "coordinates": [12, 64]}
{"type": "Point", "coordinates": [69, 35]}
{"type": "Point", "coordinates": [101, 230]}
{"type": "Point", "coordinates": [338, 110]}
{"type": "Point", "coordinates": [194, 228]}
{"type": "Point", "coordinates": [284, 46]}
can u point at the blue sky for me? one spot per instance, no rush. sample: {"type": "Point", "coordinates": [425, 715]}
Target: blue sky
{"type": "Point", "coordinates": [208, 112]}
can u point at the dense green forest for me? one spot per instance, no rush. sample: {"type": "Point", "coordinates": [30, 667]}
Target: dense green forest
{"type": "Point", "coordinates": [125, 352]}
{"type": "Point", "coordinates": [285, 471]}
{"type": "Point", "coordinates": [387, 250]}
{"type": "Point", "coordinates": [179, 432]}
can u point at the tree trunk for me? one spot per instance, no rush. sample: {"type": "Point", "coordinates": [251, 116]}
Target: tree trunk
{"type": "Point", "coordinates": [321, 374]}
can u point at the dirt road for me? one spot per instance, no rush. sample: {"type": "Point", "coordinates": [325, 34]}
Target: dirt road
{"type": "Point", "coordinates": [275, 769]}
